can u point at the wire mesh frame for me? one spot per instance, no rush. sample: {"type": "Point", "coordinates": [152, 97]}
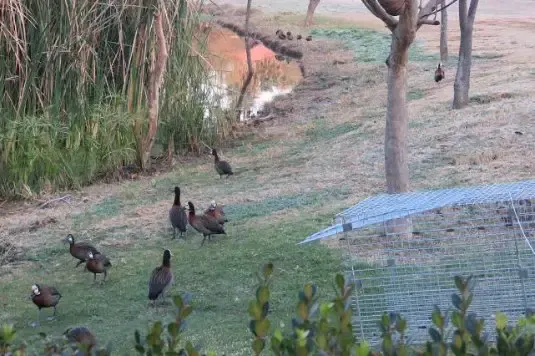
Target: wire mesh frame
{"type": "Point", "coordinates": [410, 273]}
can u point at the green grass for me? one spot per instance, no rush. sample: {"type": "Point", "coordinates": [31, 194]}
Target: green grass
{"type": "Point", "coordinates": [370, 46]}
{"type": "Point", "coordinates": [415, 94]}
{"type": "Point", "coordinates": [220, 276]}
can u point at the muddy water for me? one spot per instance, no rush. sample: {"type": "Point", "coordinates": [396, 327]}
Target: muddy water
{"type": "Point", "coordinates": [228, 60]}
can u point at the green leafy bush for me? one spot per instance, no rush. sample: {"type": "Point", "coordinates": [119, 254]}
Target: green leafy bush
{"type": "Point", "coordinates": [323, 328]}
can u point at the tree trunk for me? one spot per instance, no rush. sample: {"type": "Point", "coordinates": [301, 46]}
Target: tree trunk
{"type": "Point", "coordinates": [461, 88]}
{"type": "Point", "coordinates": [443, 33]}
{"type": "Point", "coordinates": [312, 5]}
{"type": "Point", "coordinates": [155, 82]}
{"type": "Point", "coordinates": [250, 71]}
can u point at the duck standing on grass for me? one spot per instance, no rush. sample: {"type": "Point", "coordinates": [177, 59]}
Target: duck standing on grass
{"type": "Point", "coordinates": [439, 73]}
{"type": "Point", "coordinates": [204, 224]}
{"type": "Point", "coordinates": [44, 297]}
{"type": "Point", "coordinates": [216, 211]}
{"type": "Point", "coordinates": [222, 167]}
{"type": "Point", "coordinates": [98, 264]}
{"type": "Point", "coordinates": [80, 250]}
{"type": "Point", "coordinates": [177, 215]}
{"type": "Point", "coordinates": [82, 337]}
{"type": "Point", "coordinates": [161, 278]}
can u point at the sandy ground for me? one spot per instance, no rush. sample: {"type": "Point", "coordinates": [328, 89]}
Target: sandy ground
{"type": "Point", "coordinates": [491, 8]}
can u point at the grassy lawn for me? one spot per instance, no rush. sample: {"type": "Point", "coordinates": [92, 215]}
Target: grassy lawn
{"type": "Point", "coordinates": [220, 275]}
{"type": "Point", "coordinates": [323, 155]}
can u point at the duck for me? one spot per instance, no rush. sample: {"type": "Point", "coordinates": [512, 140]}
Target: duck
{"type": "Point", "coordinates": [204, 224]}
{"type": "Point", "coordinates": [98, 264]}
{"type": "Point", "coordinates": [161, 278]}
{"type": "Point", "coordinates": [308, 38]}
{"type": "Point", "coordinates": [216, 211]}
{"type": "Point", "coordinates": [44, 296]}
{"type": "Point", "coordinates": [177, 215]}
{"type": "Point", "coordinates": [299, 37]}
{"type": "Point", "coordinates": [282, 36]}
{"type": "Point", "coordinates": [222, 167]}
{"type": "Point", "coordinates": [82, 337]}
{"type": "Point", "coordinates": [290, 37]}
{"type": "Point", "coordinates": [277, 32]}
{"type": "Point", "coordinates": [80, 250]}
{"type": "Point", "coordinates": [439, 73]}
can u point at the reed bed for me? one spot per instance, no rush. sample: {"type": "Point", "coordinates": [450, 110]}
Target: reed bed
{"type": "Point", "coordinates": [74, 96]}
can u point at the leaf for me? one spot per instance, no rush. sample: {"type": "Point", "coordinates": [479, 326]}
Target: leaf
{"type": "Point", "coordinates": [363, 349]}
{"type": "Point", "coordinates": [277, 334]}
{"type": "Point", "coordinates": [456, 319]}
{"type": "Point", "coordinates": [178, 301]}
{"type": "Point", "coordinates": [456, 301]}
{"type": "Point", "coordinates": [262, 328]}
{"type": "Point", "coordinates": [308, 291]}
{"type": "Point", "coordinates": [262, 294]}
{"type": "Point", "coordinates": [186, 311]}
{"type": "Point", "coordinates": [437, 317]}
{"type": "Point", "coordinates": [267, 270]}
{"type": "Point", "coordinates": [459, 283]}
{"type": "Point", "coordinates": [401, 325]}
{"type": "Point", "coordinates": [302, 310]}
{"type": "Point", "coordinates": [435, 335]}
{"type": "Point", "coordinates": [252, 327]}
{"type": "Point", "coordinates": [254, 310]}
{"type": "Point", "coordinates": [340, 282]}
{"type": "Point", "coordinates": [501, 320]}
{"type": "Point", "coordinates": [258, 346]}
{"type": "Point", "coordinates": [172, 328]}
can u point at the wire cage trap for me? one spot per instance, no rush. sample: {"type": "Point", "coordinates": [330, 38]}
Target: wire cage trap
{"type": "Point", "coordinates": [404, 250]}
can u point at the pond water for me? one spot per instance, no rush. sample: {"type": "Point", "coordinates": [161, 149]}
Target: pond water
{"type": "Point", "coordinates": [228, 61]}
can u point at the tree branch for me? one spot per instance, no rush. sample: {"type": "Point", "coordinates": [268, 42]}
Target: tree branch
{"type": "Point", "coordinates": [249, 63]}
{"type": "Point", "coordinates": [439, 10]}
{"type": "Point", "coordinates": [424, 13]}
{"type": "Point", "coordinates": [472, 9]}
{"type": "Point", "coordinates": [428, 22]}
{"type": "Point", "coordinates": [377, 10]}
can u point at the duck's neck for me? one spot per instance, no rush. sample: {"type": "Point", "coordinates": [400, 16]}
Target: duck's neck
{"type": "Point", "coordinates": [166, 261]}
{"type": "Point", "coordinates": [177, 199]}
{"type": "Point", "coordinates": [216, 158]}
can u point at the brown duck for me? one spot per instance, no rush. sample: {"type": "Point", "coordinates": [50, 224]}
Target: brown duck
{"type": "Point", "coordinates": [80, 250]}
{"type": "Point", "coordinates": [439, 73]}
{"type": "Point", "coordinates": [98, 264]}
{"type": "Point", "coordinates": [204, 224]}
{"type": "Point", "coordinates": [44, 297]}
{"type": "Point", "coordinates": [177, 215]}
{"type": "Point", "coordinates": [161, 278]}
{"type": "Point", "coordinates": [82, 337]}
{"type": "Point", "coordinates": [222, 167]}
{"type": "Point", "coordinates": [216, 211]}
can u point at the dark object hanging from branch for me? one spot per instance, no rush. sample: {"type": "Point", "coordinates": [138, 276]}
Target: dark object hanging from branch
{"type": "Point", "coordinates": [392, 7]}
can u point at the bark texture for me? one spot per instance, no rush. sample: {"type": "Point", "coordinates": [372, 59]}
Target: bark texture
{"type": "Point", "coordinates": [250, 71]}
{"type": "Point", "coordinates": [443, 33]}
{"type": "Point", "coordinates": [312, 5]}
{"type": "Point", "coordinates": [461, 88]}
{"type": "Point", "coordinates": [155, 83]}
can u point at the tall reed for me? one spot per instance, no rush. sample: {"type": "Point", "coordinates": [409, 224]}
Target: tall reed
{"type": "Point", "coordinates": [73, 102]}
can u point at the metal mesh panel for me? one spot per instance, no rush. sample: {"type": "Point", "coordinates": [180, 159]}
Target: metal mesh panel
{"type": "Point", "coordinates": [407, 265]}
